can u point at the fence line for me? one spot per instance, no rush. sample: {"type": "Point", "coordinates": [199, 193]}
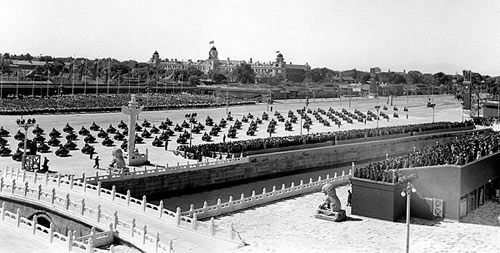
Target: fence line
{"type": "Point", "coordinates": [81, 244]}
{"type": "Point", "coordinates": [155, 171]}
{"type": "Point", "coordinates": [138, 236]}
{"type": "Point", "coordinates": [265, 197]}
{"type": "Point", "coordinates": [158, 211]}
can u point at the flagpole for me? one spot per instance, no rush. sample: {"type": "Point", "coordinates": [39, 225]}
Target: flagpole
{"type": "Point", "coordinates": [48, 76]}
{"type": "Point", "coordinates": [73, 77]}
{"type": "Point", "coordinates": [84, 77]}
{"type": "Point", "coordinates": [108, 72]}
{"type": "Point", "coordinates": [96, 81]}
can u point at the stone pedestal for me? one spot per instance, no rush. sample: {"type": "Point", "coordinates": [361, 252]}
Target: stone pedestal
{"type": "Point", "coordinates": [331, 215]}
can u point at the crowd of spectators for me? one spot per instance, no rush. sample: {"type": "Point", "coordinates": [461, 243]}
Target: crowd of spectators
{"type": "Point", "coordinates": [286, 141]}
{"type": "Point", "coordinates": [484, 121]}
{"type": "Point", "coordinates": [460, 151]}
{"type": "Point", "coordinates": [102, 102]}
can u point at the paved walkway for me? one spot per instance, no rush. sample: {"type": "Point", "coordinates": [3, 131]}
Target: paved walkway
{"type": "Point", "coordinates": [290, 226]}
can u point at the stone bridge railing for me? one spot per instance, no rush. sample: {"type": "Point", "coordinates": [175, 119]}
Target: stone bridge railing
{"type": "Point", "coordinates": [265, 197]}
{"type": "Point", "coordinates": [93, 216]}
{"type": "Point", "coordinates": [160, 170]}
{"type": "Point", "coordinates": [69, 242]}
{"type": "Point", "coordinates": [175, 218]}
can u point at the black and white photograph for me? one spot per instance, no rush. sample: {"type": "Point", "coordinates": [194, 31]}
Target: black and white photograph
{"type": "Point", "coordinates": [258, 126]}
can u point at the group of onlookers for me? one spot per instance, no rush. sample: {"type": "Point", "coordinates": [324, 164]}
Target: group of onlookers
{"type": "Point", "coordinates": [460, 151]}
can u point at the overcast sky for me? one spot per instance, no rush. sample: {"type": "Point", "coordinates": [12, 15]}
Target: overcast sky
{"type": "Point", "coordinates": [427, 35]}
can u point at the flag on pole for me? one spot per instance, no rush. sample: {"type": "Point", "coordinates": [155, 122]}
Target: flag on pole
{"type": "Point", "coordinates": [211, 42]}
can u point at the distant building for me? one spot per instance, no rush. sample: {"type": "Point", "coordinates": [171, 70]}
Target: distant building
{"type": "Point", "coordinates": [291, 72]}
{"type": "Point", "coordinates": [24, 67]}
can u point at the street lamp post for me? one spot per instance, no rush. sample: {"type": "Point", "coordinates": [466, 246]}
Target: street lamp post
{"type": "Point", "coordinates": [378, 108]}
{"type": "Point", "coordinates": [25, 124]}
{"type": "Point", "coordinates": [406, 193]}
{"type": "Point", "coordinates": [433, 106]}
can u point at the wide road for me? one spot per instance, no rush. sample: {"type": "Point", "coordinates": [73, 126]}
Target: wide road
{"type": "Point", "coordinates": [447, 109]}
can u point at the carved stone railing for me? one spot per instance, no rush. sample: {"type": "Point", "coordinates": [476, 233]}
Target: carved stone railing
{"type": "Point", "coordinates": [245, 202]}
{"type": "Point", "coordinates": [158, 211]}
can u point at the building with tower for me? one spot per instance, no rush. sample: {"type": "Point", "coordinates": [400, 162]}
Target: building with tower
{"type": "Point", "coordinates": [289, 71]}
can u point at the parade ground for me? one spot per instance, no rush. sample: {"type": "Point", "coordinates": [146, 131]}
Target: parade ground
{"type": "Point", "coordinates": [448, 108]}
{"type": "Point", "coordinates": [289, 225]}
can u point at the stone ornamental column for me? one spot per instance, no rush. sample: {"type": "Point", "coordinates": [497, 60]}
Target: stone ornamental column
{"type": "Point", "coordinates": [132, 110]}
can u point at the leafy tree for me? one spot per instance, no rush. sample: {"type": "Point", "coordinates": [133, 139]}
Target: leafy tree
{"type": "Point", "coordinates": [413, 77]}
{"type": "Point", "coordinates": [244, 73]}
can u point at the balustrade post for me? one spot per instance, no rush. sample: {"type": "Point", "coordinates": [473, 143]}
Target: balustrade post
{"type": "Point", "coordinates": [352, 166]}
{"type": "Point", "coordinates": [310, 180]}
{"type": "Point", "coordinates": [53, 196]}
{"type": "Point", "coordinates": [98, 213]}
{"type": "Point", "coordinates": [58, 180]}
{"type": "Point", "coordinates": [84, 184]}
{"type": "Point", "coordinates": [211, 226]}
{"type": "Point", "coordinates": [301, 182]}
{"type": "Point", "coordinates": [191, 209]}
{"type": "Point", "coordinates": [144, 234]}
{"type": "Point", "coordinates": [13, 186]}
{"type": "Point", "coordinates": [253, 194]}
{"type": "Point", "coordinates": [46, 179]}
{"type": "Point", "coordinates": [242, 198]}
{"type": "Point", "coordinates": [343, 173]}
{"type": "Point", "coordinates": [157, 241]}
{"type": "Point", "coordinates": [3, 211]}
{"type": "Point", "coordinates": [18, 217]}
{"type": "Point", "coordinates": [33, 222]}
{"type": "Point", "coordinates": [99, 188]}
{"type": "Point", "coordinates": [144, 203]}
{"type": "Point", "coordinates": [128, 197]}
{"type": "Point", "coordinates": [274, 188]}
{"type": "Point", "coordinates": [350, 171]}
{"type": "Point", "coordinates": [90, 245]}
{"type": "Point", "coordinates": [115, 220]}
{"type": "Point", "coordinates": [283, 187]}
{"type": "Point", "coordinates": [39, 192]}
{"type": "Point", "coordinates": [205, 206]}
{"type": "Point", "coordinates": [292, 185]}
{"type": "Point", "coordinates": [70, 240]}
{"type": "Point", "coordinates": [160, 208]}
{"type": "Point", "coordinates": [327, 176]}
{"type": "Point", "coordinates": [319, 178]}
{"type": "Point", "coordinates": [156, 169]}
{"type": "Point", "coordinates": [230, 202]}
{"type": "Point", "coordinates": [82, 211]}
{"type": "Point", "coordinates": [71, 180]}
{"type": "Point", "coordinates": [194, 220]}
{"type": "Point", "coordinates": [34, 179]}
{"type": "Point", "coordinates": [132, 226]}
{"type": "Point", "coordinates": [66, 201]}
{"type": "Point", "coordinates": [51, 232]}
{"type": "Point", "coordinates": [178, 216]}
{"type": "Point", "coordinates": [219, 202]}
{"type": "Point", "coordinates": [25, 189]}
{"type": "Point", "coordinates": [113, 192]}
{"type": "Point", "coordinates": [231, 231]}
{"type": "Point", "coordinates": [335, 175]}
{"type": "Point", "coordinates": [166, 166]}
